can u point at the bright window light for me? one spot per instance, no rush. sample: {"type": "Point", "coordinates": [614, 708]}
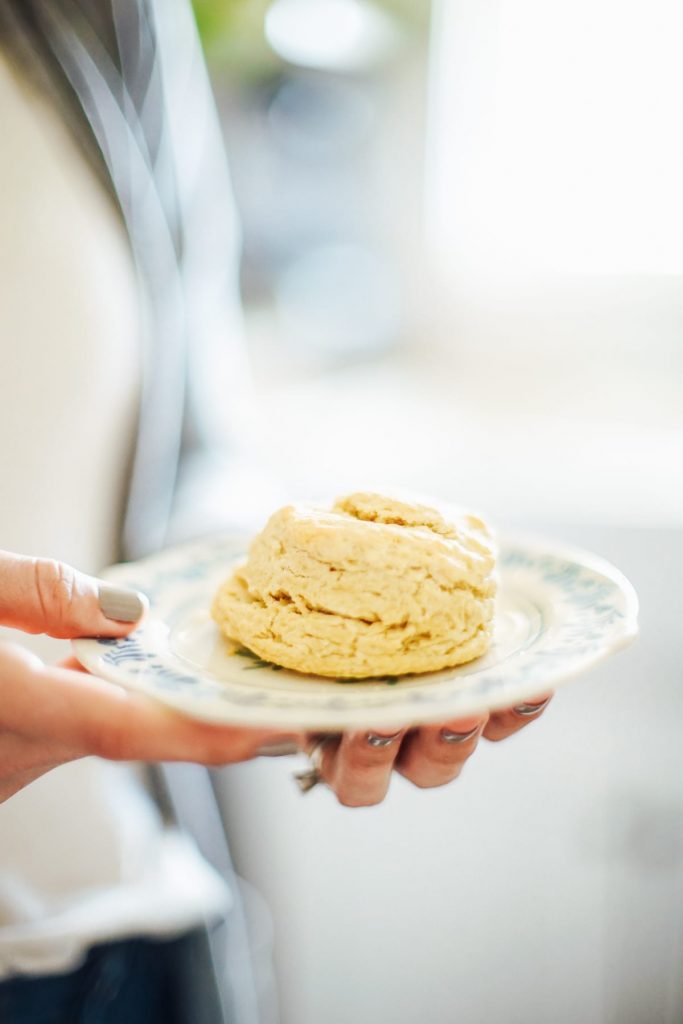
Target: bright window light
{"type": "Point", "coordinates": [557, 136]}
{"type": "Point", "coordinates": [338, 35]}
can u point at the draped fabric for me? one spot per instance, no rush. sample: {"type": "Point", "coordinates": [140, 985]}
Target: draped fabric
{"type": "Point", "coordinates": [131, 82]}
{"type": "Point", "coordinates": [129, 79]}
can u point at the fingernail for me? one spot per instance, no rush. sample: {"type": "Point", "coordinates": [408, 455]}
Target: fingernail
{"type": "Point", "coordinates": [527, 710]}
{"type": "Point", "coordinates": [375, 740]}
{"type": "Point", "coordinates": [121, 603]}
{"type": "Point", "coordinates": [448, 736]}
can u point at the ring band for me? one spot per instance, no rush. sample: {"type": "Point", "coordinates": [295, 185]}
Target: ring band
{"type": "Point", "coordinates": [529, 710]}
{"type": "Point", "coordinates": [307, 779]}
{"type": "Point", "coordinates": [310, 777]}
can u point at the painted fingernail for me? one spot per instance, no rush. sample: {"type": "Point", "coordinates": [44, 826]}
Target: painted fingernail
{"type": "Point", "coordinates": [121, 603]}
{"type": "Point", "coordinates": [448, 736]}
{"type": "Point", "coordinates": [528, 710]}
{"type": "Point", "coordinates": [375, 740]}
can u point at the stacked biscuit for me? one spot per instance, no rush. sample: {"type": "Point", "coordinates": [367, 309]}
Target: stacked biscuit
{"type": "Point", "coordinates": [371, 587]}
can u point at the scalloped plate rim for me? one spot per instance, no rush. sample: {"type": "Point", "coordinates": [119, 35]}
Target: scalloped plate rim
{"type": "Point", "coordinates": [394, 710]}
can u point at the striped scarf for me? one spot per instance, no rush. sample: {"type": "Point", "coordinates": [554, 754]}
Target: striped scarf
{"type": "Point", "coordinates": [130, 81]}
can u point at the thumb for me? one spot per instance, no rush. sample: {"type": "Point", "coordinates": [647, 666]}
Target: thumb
{"type": "Point", "coordinates": [40, 595]}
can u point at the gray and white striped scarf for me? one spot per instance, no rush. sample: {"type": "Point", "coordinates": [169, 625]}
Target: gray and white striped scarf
{"type": "Point", "coordinates": [130, 80]}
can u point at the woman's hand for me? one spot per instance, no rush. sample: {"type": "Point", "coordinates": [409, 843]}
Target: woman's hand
{"type": "Point", "coordinates": [52, 715]}
{"type": "Point", "coordinates": [358, 766]}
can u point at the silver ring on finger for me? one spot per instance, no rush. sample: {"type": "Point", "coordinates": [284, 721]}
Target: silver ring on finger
{"type": "Point", "coordinates": [310, 777]}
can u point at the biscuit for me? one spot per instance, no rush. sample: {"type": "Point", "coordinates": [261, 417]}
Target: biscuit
{"type": "Point", "coordinates": [371, 587]}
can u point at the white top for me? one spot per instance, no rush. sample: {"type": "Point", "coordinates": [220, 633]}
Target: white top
{"type": "Point", "coordinates": [83, 854]}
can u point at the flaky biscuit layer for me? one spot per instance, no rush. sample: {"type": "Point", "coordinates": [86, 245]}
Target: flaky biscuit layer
{"type": "Point", "coordinates": [371, 587]}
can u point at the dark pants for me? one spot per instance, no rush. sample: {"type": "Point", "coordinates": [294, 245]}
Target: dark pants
{"type": "Point", "coordinates": [136, 981]}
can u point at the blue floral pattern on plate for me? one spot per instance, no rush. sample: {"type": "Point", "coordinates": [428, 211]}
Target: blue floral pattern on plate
{"type": "Point", "coordinates": [560, 612]}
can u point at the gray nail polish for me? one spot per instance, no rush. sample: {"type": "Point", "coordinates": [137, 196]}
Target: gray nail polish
{"type": "Point", "coordinates": [527, 710]}
{"type": "Point", "coordinates": [458, 737]}
{"type": "Point", "coordinates": [121, 603]}
{"type": "Point", "coordinates": [381, 741]}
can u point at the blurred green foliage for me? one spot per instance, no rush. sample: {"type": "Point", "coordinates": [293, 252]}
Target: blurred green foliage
{"type": "Point", "coordinates": [232, 31]}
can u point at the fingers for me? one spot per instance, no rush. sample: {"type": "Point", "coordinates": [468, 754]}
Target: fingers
{"type": "Point", "coordinates": [40, 595]}
{"type": "Point", "coordinates": [358, 766]}
{"type": "Point", "coordinates": [434, 755]}
{"type": "Point", "coordinates": [84, 715]}
{"type": "Point", "coordinates": [502, 724]}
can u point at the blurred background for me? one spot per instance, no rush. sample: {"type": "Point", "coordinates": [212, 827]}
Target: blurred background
{"type": "Point", "coordinates": [463, 241]}
{"type": "Point", "coordinates": [463, 261]}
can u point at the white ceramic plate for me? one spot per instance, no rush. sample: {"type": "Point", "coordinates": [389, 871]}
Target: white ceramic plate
{"type": "Point", "coordinates": [560, 612]}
